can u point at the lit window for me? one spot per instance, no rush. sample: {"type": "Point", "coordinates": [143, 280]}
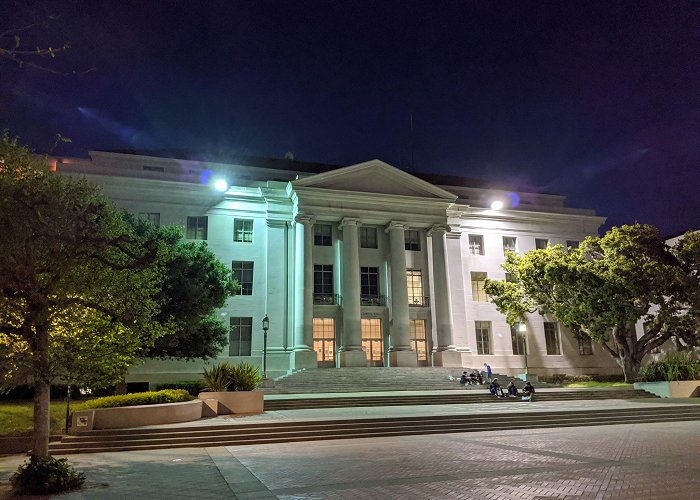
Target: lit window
{"type": "Point", "coordinates": [243, 230]}
{"type": "Point", "coordinates": [323, 235]}
{"type": "Point", "coordinates": [152, 217]}
{"type": "Point", "coordinates": [541, 243]}
{"type": "Point", "coordinates": [414, 280]}
{"type": "Point", "coordinates": [483, 337]}
{"type": "Point", "coordinates": [551, 337]}
{"type": "Point", "coordinates": [509, 244]}
{"type": "Point", "coordinates": [243, 273]}
{"type": "Point", "coordinates": [478, 284]}
{"type": "Point", "coordinates": [476, 244]}
{"type": "Point", "coordinates": [197, 227]}
{"type": "Point", "coordinates": [239, 337]}
{"type": "Point", "coordinates": [368, 237]}
{"type": "Point", "coordinates": [412, 240]}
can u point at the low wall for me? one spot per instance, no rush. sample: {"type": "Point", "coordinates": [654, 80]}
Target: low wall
{"type": "Point", "coordinates": [239, 402]}
{"type": "Point", "coordinates": [682, 389]}
{"type": "Point", "coordinates": [20, 444]}
{"type": "Point", "coordinates": [135, 416]}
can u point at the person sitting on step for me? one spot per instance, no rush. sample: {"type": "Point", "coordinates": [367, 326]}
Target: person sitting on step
{"type": "Point", "coordinates": [512, 390]}
{"type": "Point", "coordinates": [528, 391]}
{"type": "Point", "coordinates": [464, 379]}
{"type": "Point", "coordinates": [496, 389]}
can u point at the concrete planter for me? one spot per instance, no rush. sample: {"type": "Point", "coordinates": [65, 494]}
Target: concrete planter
{"type": "Point", "coordinates": [135, 416]}
{"type": "Point", "coordinates": [681, 389]}
{"type": "Point", "coordinates": [239, 402]}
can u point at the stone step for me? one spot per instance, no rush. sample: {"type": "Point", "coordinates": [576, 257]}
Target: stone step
{"type": "Point", "coordinates": [279, 432]}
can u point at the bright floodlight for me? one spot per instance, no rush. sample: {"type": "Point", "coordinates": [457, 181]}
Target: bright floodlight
{"type": "Point", "coordinates": [221, 185]}
{"type": "Point", "coordinates": [522, 327]}
{"type": "Point", "coordinates": [496, 205]}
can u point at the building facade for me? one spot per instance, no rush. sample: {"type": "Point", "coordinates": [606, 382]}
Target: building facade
{"type": "Point", "coordinates": [364, 265]}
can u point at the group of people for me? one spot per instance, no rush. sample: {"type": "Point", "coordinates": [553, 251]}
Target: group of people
{"type": "Point", "coordinates": [475, 377]}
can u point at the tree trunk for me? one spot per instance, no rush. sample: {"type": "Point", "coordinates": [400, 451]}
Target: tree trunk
{"type": "Point", "coordinates": [630, 367]}
{"type": "Point", "coordinates": [42, 393]}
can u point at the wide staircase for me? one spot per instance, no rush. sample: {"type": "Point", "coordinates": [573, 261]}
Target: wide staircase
{"type": "Point", "coordinates": [290, 431]}
{"type": "Point", "coordinates": [331, 380]}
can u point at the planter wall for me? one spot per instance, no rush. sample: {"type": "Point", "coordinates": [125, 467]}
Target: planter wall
{"type": "Point", "coordinates": [238, 402]}
{"type": "Point", "coordinates": [682, 389]}
{"type": "Point", "coordinates": [135, 416]}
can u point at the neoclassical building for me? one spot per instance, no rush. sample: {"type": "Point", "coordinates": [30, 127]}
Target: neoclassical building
{"type": "Point", "coordinates": [364, 265]}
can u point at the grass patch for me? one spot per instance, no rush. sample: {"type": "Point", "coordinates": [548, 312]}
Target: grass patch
{"type": "Point", "coordinates": [598, 384]}
{"type": "Point", "coordinates": [16, 417]}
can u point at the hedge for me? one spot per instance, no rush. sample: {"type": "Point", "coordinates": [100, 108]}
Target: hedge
{"type": "Point", "coordinates": [194, 387]}
{"type": "Point", "coordinates": [139, 398]}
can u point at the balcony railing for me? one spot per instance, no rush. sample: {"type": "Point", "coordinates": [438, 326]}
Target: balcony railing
{"type": "Point", "coordinates": [419, 301]}
{"type": "Point", "coordinates": [326, 299]}
{"type": "Point", "coordinates": [372, 300]}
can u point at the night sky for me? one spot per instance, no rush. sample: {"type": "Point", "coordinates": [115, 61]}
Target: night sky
{"type": "Point", "coordinates": [594, 100]}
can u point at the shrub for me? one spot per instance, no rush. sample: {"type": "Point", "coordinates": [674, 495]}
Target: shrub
{"type": "Point", "coordinates": [244, 377]}
{"type": "Point", "coordinates": [45, 476]}
{"type": "Point", "coordinates": [218, 378]}
{"type": "Point", "coordinates": [227, 377]}
{"type": "Point", "coordinates": [674, 366]}
{"type": "Point", "coordinates": [194, 387]}
{"type": "Point", "coordinates": [140, 398]}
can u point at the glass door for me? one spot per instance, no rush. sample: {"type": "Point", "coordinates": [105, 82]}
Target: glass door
{"type": "Point", "coordinates": [324, 342]}
{"type": "Point", "coordinates": [419, 344]}
{"type": "Point", "coordinates": [372, 342]}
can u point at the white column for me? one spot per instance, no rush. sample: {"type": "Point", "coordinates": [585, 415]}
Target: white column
{"type": "Point", "coordinates": [351, 351]}
{"type": "Point", "coordinates": [400, 352]}
{"type": "Point", "coordinates": [446, 354]}
{"type": "Point", "coordinates": [303, 353]}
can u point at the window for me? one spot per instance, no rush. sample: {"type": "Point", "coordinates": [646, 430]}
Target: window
{"type": "Point", "coordinates": [585, 346]}
{"type": "Point", "coordinates": [518, 340]}
{"type": "Point", "coordinates": [243, 230]}
{"type": "Point", "coordinates": [476, 244]}
{"type": "Point", "coordinates": [197, 227]}
{"type": "Point", "coordinates": [372, 341]}
{"type": "Point", "coordinates": [478, 284]}
{"type": "Point", "coordinates": [414, 280]}
{"type": "Point", "coordinates": [324, 341]}
{"type": "Point", "coordinates": [369, 281]}
{"type": "Point", "coordinates": [368, 237]}
{"type": "Point", "coordinates": [323, 235]}
{"type": "Point", "coordinates": [509, 244]}
{"type": "Point", "coordinates": [551, 338]}
{"type": "Point", "coordinates": [418, 341]}
{"type": "Point", "coordinates": [541, 243]}
{"type": "Point", "coordinates": [323, 279]}
{"type": "Point", "coordinates": [243, 273]}
{"type": "Point", "coordinates": [572, 243]}
{"type": "Point", "coordinates": [412, 240]}
{"type": "Point", "coordinates": [152, 217]}
{"type": "Point", "coordinates": [239, 336]}
{"type": "Point", "coordinates": [483, 337]}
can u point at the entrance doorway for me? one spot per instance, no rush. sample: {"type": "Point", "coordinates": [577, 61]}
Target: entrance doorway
{"type": "Point", "coordinates": [372, 341]}
{"type": "Point", "coordinates": [324, 342]}
{"type": "Point", "coordinates": [419, 344]}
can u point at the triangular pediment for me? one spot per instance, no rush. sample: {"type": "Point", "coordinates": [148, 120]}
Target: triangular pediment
{"type": "Point", "coordinates": [374, 177]}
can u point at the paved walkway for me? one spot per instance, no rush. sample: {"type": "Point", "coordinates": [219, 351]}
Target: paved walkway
{"type": "Point", "coordinates": [638, 461]}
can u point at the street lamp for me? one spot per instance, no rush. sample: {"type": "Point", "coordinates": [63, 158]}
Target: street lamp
{"type": "Point", "coordinates": [522, 328]}
{"type": "Point", "coordinates": [265, 327]}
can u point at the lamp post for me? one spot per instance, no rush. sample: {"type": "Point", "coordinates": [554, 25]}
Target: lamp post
{"type": "Point", "coordinates": [265, 327]}
{"type": "Point", "coordinates": [522, 328]}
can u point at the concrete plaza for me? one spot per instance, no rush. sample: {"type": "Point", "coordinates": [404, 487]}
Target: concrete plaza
{"type": "Point", "coordinates": [640, 461]}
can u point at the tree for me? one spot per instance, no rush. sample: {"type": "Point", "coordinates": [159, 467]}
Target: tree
{"type": "Point", "coordinates": [603, 288]}
{"type": "Point", "coordinates": [73, 273]}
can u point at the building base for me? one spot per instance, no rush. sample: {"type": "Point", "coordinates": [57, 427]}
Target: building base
{"type": "Point", "coordinates": [403, 358]}
{"type": "Point", "coordinates": [353, 359]}
{"type": "Point", "coordinates": [447, 358]}
{"type": "Point", "coordinates": [303, 360]}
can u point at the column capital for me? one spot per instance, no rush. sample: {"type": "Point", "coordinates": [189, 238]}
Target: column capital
{"type": "Point", "coordinates": [276, 223]}
{"type": "Point", "coordinates": [438, 228]}
{"type": "Point", "coordinates": [454, 234]}
{"type": "Point", "coordinates": [306, 220]}
{"type": "Point", "coordinates": [396, 224]}
{"type": "Point", "coordinates": [349, 221]}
